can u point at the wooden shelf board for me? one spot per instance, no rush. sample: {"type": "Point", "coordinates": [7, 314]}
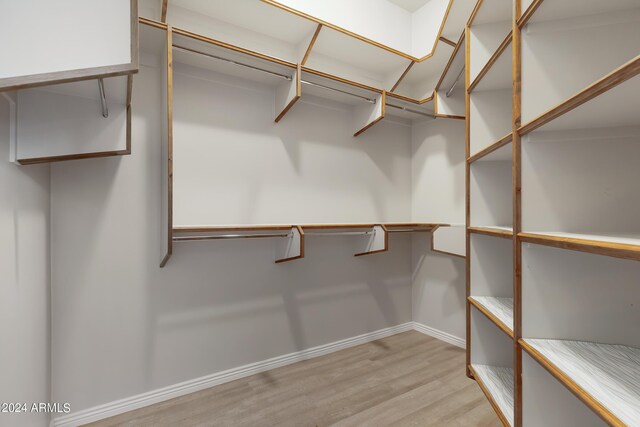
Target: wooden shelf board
{"type": "Point", "coordinates": [608, 82]}
{"type": "Point", "coordinates": [625, 246]}
{"type": "Point", "coordinates": [496, 57]}
{"type": "Point", "coordinates": [605, 377]}
{"type": "Point", "coordinates": [497, 309]}
{"type": "Point", "coordinates": [275, 227]}
{"type": "Point", "coordinates": [485, 153]}
{"type": "Point", "coordinates": [495, 231]}
{"type": "Point", "coordinates": [497, 384]}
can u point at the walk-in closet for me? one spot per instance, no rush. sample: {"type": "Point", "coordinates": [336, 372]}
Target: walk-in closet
{"type": "Point", "coordinates": [319, 213]}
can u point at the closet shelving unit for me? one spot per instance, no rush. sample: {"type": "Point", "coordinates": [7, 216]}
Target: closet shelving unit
{"type": "Point", "coordinates": [575, 242]}
{"type": "Point", "coordinates": [490, 293]}
{"type": "Point", "coordinates": [291, 81]}
{"type": "Point", "coordinates": [87, 85]}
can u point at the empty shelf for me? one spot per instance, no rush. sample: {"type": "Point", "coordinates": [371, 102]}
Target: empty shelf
{"type": "Point", "coordinates": [497, 231]}
{"type": "Point", "coordinates": [620, 245]}
{"type": "Point", "coordinates": [498, 309]}
{"type": "Point", "coordinates": [497, 384]}
{"type": "Point", "coordinates": [604, 376]}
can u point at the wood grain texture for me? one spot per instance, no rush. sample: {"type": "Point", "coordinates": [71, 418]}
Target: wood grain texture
{"type": "Point", "coordinates": [611, 80]}
{"type": "Point", "coordinates": [493, 147]}
{"type": "Point", "coordinates": [403, 380]}
{"type": "Point", "coordinates": [311, 43]}
{"type": "Point", "coordinates": [492, 60]}
{"type": "Point", "coordinates": [496, 384]}
{"type": "Point", "coordinates": [604, 377]}
{"type": "Point", "coordinates": [498, 310]}
{"type": "Point", "coordinates": [612, 249]}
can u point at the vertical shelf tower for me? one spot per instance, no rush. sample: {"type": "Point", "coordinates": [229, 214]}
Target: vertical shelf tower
{"type": "Point", "coordinates": [552, 102]}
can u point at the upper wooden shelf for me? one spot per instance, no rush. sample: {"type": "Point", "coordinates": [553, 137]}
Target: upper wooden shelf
{"type": "Point", "coordinates": [616, 245]}
{"type": "Point", "coordinates": [612, 101]}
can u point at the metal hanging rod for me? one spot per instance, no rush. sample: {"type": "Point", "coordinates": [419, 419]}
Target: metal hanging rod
{"type": "Point", "coordinates": [410, 110]}
{"type": "Point", "coordinates": [103, 99]}
{"type": "Point", "coordinates": [284, 76]}
{"type": "Point", "coordinates": [340, 233]}
{"type": "Point", "coordinates": [230, 236]}
{"type": "Point", "coordinates": [448, 93]}
{"type": "Point", "coordinates": [231, 61]}
{"type": "Point", "coordinates": [369, 100]}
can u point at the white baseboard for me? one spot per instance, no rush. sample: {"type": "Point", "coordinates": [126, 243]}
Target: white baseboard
{"type": "Point", "coordinates": [443, 336]}
{"type": "Point", "coordinates": [160, 395]}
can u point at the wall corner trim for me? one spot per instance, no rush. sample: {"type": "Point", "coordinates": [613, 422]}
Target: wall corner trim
{"type": "Point", "coordinates": [442, 336]}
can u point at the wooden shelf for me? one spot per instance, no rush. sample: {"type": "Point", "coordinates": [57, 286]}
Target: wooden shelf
{"type": "Point", "coordinates": [497, 309]}
{"type": "Point", "coordinates": [502, 232]}
{"type": "Point", "coordinates": [328, 226]}
{"type": "Point", "coordinates": [496, 73]}
{"type": "Point", "coordinates": [497, 384]}
{"type": "Point", "coordinates": [610, 102]}
{"type": "Point", "coordinates": [619, 246]}
{"type": "Point", "coordinates": [605, 377]}
{"type": "Point", "coordinates": [497, 151]}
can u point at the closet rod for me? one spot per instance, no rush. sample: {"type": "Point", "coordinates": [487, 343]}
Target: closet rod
{"type": "Point", "coordinates": [448, 93]}
{"type": "Point", "coordinates": [340, 233]}
{"type": "Point", "coordinates": [231, 61]}
{"type": "Point", "coordinates": [229, 236]}
{"type": "Point", "coordinates": [103, 99]}
{"type": "Point", "coordinates": [411, 230]}
{"type": "Point", "coordinates": [369, 100]}
{"type": "Point", "coordinates": [422, 113]}
{"type": "Point", "coordinates": [284, 76]}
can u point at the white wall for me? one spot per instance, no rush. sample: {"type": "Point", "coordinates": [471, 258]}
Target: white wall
{"type": "Point", "coordinates": [123, 326]}
{"type": "Point", "coordinates": [438, 195]}
{"type": "Point", "coordinates": [24, 283]}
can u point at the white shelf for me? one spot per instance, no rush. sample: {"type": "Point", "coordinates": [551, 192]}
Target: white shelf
{"type": "Point", "coordinates": [500, 307]}
{"type": "Point", "coordinates": [422, 78]}
{"type": "Point", "coordinates": [498, 383]}
{"type": "Point", "coordinates": [614, 108]}
{"type": "Point", "coordinates": [490, 189]}
{"type": "Point", "coordinates": [631, 238]}
{"type": "Point", "coordinates": [587, 29]}
{"type": "Point", "coordinates": [608, 374]}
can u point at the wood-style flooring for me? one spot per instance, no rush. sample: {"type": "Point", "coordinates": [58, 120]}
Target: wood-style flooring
{"type": "Point", "coordinates": [408, 379]}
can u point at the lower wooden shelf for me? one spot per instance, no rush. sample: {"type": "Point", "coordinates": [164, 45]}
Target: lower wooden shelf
{"type": "Point", "coordinates": [497, 384]}
{"type": "Point", "coordinates": [498, 309]}
{"type": "Point", "coordinates": [605, 377]}
{"type": "Point", "coordinates": [617, 245]}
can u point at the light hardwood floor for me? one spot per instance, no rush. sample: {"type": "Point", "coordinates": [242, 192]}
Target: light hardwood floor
{"type": "Point", "coordinates": [407, 379]}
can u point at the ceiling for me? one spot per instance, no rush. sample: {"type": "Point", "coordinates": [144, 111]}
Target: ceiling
{"type": "Point", "coordinates": [409, 5]}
